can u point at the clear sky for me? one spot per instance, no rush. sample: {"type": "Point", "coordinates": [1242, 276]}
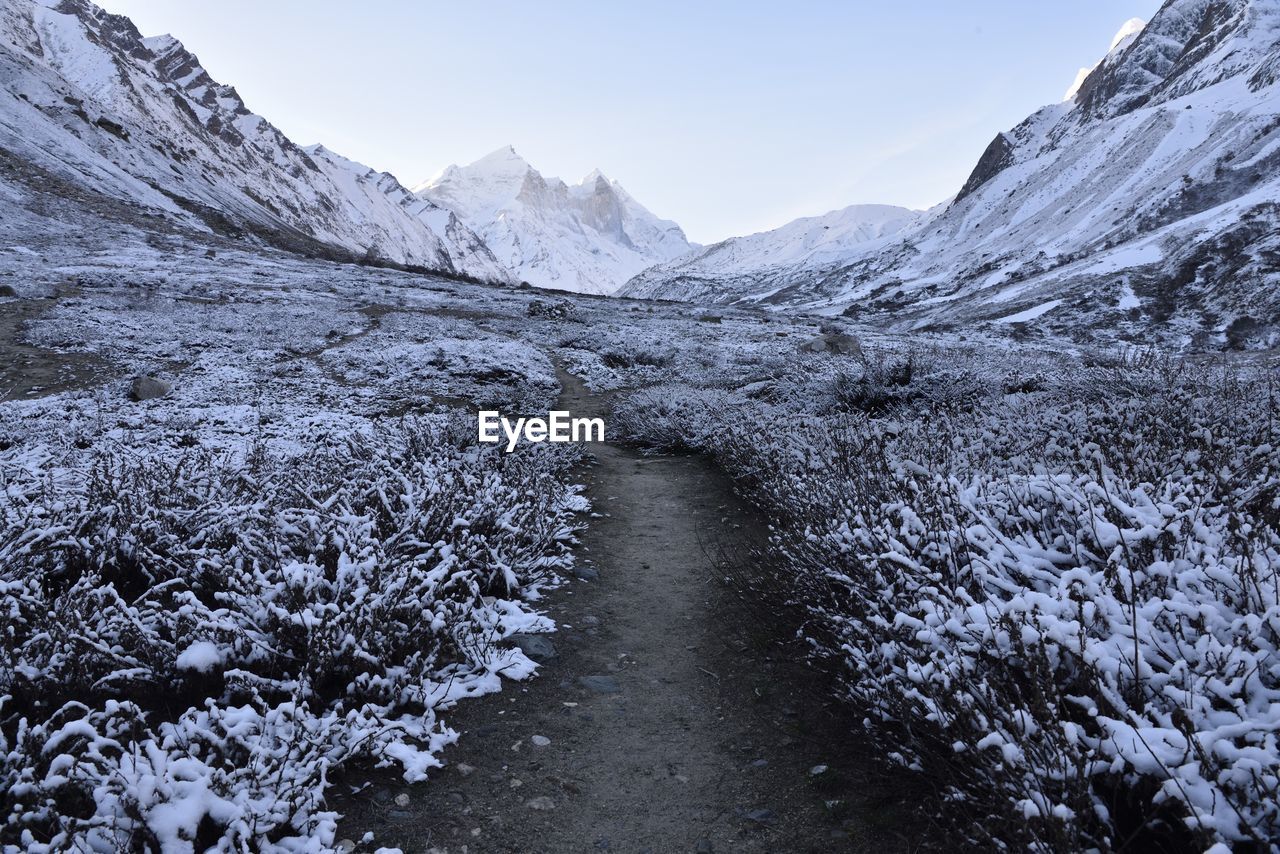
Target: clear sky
{"type": "Point", "coordinates": [728, 116]}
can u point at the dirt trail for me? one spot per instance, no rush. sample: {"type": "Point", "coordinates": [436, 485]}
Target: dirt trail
{"type": "Point", "coordinates": [665, 724]}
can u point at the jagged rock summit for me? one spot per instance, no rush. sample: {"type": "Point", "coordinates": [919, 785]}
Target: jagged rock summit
{"type": "Point", "coordinates": [588, 237]}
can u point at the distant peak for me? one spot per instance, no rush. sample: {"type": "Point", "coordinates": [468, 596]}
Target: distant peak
{"type": "Point", "coordinates": [592, 177]}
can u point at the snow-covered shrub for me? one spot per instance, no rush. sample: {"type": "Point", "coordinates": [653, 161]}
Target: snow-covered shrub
{"type": "Point", "coordinates": [193, 642]}
{"type": "Point", "coordinates": [1061, 600]}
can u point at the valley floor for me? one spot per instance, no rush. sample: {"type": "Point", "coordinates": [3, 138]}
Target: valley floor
{"type": "Point", "coordinates": [300, 555]}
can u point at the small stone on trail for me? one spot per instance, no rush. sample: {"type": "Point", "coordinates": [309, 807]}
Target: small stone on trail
{"type": "Point", "coordinates": [537, 647]}
{"type": "Point", "coordinates": [585, 573]}
{"type": "Point", "coordinates": [346, 845]}
{"type": "Point", "coordinates": [762, 816]}
{"type": "Point", "coordinates": [600, 684]}
{"type": "Point", "coordinates": [704, 846]}
{"type": "Point", "coordinates": [402, 800]}
{"type": "Point", "coordinates": [817, 770]}
{"type": "Point", "coordinates": [540, 741]}
{"type": "Point", "coordinates": [464, 769]}
{"type": "Point", "coordinates": [541, 803]}
{"type": "Point", "coordinates": [760, 763]}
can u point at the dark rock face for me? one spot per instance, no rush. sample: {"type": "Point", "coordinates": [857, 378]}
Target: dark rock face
{"type": "Point", "coordinates": [602, 210]}
{"type": "Point", "coordinates": [994, 160]}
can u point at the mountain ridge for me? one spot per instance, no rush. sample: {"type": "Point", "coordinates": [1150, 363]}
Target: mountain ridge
{"type": "Point", "coordinates": [140, 119]}
{"type": "Point", "coordinates": [804, 243]}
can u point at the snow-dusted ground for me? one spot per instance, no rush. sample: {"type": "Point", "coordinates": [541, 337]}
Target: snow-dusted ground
{"type": "Point", "coordinates": [215, 599]}
{"type": "Point", "coordinates": [299, 558]}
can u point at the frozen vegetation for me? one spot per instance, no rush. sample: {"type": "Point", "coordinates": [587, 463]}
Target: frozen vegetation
{"type": "Point", "coordinates": [1044, 582]}
{"type": "Point", "coordinates": [216, 600]}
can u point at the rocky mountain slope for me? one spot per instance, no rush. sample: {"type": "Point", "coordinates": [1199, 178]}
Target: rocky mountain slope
{"type": "Point", "coordinates": [589, 237]}
{"type": "Point", "coordinates": [1148, 200]}
{"type": "Point", "coordinates": [85, 97]}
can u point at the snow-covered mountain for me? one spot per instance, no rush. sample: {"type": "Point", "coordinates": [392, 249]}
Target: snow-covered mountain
{"type": "Point", "coordinates": [766, 260]}
{"type": "Point", "coordinates": [84, 96]}
{"type": "Point", "coordinates": [589, 237]}
{"type": "Point", "coordinates": [1149, 199]}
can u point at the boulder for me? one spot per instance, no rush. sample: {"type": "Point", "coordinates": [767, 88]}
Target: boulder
{"type": "Point", "coordinates": [149, 388]}
{"type": "Point", "coordinates": [833, 342]}
{"type": "Point", "coordinates": [843, 344]}
{"type": "Point", "coordinates": [559, 310]}
{"type": "Point", "coordinates": [815, 345]}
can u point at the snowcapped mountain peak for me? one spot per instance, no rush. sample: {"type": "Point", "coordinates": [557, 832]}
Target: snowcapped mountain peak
{"type": "Point", "coordinates": [478, 191]}
{"type": "Point", "coordinates": [1188, 46]}
{"type": "Point", "coordinates": [589, 237]}
{"type": "Point", "coordinates": [1124, 37]}
{"type": "Point", "coordinates": [502, 160]}
{"type": "Point", "coordinates": [1127, 31]}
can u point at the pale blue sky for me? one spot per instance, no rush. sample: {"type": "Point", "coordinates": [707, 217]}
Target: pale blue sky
{"type": "Point", "coordinates": [728, 117]}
